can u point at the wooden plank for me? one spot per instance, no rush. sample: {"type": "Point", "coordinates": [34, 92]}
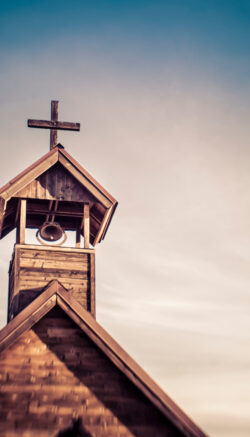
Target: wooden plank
{"type": "Point", "coordinates": [17, 211]}
{"type": "Point", "coordinates": [59, 249]}
{"type": "Point", "coordinates": [50, 124]}
{"type": "Point", "coordinates": [16, 266]}
{"type": "Point", "coordinates": [50, 274]}
{"type": "Point", "coordinates": [50, 208]}
{"type": "Point", "coordinates": [50, 264]}
{"type": "Point", "coordinates": [85, 181]}
{"type": "Point", "coordinates": [22, 221]}
{"type": "Point", "coordinates": [23, 322]}
{"type": "Point", "coordinates": [55, 255]}
{"type": "Point", "coordinates": [31, 173]}
{"type": "Point", "coordinates": [3, 205]}
{"type": "Point", "coordinates": [71, 260]}
{"type": "Point", "coordinates": [86, 225]}
{"type": "Point", "coordinates": [54, 119]}
{"type": "Point", "coordinates": [109, 221]}
{"type": "Point", "coordinates": [29, 283]}
{"type": "Point", "coordinates": [92, 285]}
{"type": "Point", "coordinates": [78, 238]}
{"type": "Point", "coordinates": [102, 227]}
{"type": "Point", "coordinates": [44, 211]}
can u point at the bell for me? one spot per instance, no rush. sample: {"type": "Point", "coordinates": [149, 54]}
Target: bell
{"type": "Point", "coordinates": [51, 231]}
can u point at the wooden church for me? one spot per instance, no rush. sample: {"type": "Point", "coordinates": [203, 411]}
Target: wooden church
{"type": "Point", "coordinates": [61, 373]}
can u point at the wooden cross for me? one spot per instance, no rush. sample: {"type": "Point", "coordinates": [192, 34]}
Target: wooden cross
{"type": "Point", "coordinates": [54, 125]}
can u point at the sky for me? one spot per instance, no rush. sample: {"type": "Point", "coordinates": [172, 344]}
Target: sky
{"type": "Point", "coordinates": [162, 92]}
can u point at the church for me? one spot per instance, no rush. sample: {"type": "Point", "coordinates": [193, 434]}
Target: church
{"type": "Point", "coordinates": [61, 373]}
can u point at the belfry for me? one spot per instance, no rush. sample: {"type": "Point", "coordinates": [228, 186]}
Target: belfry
{"type": "Point", "coordinates": [61, 373]}
{"type": "Point", "coordinates": [54, 195]}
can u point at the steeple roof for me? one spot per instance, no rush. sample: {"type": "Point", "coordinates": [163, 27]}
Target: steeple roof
{"type": "Point", "coordinates": [43, 180]}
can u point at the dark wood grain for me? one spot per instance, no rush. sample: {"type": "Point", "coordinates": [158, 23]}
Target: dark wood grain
{"type": "Point", "coordinates": [33, 267]}
{"type": "Point", "coordinates": [53, 124]}
{"type": "Point", "coordinates": [50, 124]}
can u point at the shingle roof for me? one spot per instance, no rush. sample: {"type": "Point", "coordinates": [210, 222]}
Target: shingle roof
{"type": "Point", "coordinates": [56, 294]}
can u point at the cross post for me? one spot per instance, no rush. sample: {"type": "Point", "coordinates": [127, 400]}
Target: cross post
{"type": "Point", "coordinates": [54, 125]}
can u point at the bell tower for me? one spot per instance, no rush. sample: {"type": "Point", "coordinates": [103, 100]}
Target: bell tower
{"type": "Point", "coordinates": [54, 195]}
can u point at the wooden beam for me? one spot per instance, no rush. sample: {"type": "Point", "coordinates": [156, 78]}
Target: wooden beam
{"type": "Point", "coordinates": [59, 125]}
{"type": "Point", "coordinates": [78, 238]}
{"type": "Point", "coordinates": [22, 222]}
{"type": "Point", "coordinates": [52, 213]}
{"type": "Point", "coordinates": [50, 207]}
{"type": "Point", "coordinates": [17, 211]}
{"type": "Point", "coordinates": [2, 213]}
{"type": "Point", "coordinates": [86, 226]}
{"type": "Point", "coordinates": [55, 248]}
{"type": "Point", "coordinates": [17, 221]}
{"type": "Point", "coordinates": [54, 124]}
{"type": "Point", "coordinates": [54, 119]}
{"type": "Point", "coordinates": [92, 284]}
{"type": "Point", "coordinates": [102, 227]}
{"type": "Point", "coordinates": [55, 209]}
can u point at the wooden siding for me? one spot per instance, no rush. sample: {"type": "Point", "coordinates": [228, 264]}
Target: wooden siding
{"type": "Point", "coordinates": [56, 184]}
{"type": "Point", "coordinates": [54, 373]}
{"type": "Point", "coordinates": [33, 267]}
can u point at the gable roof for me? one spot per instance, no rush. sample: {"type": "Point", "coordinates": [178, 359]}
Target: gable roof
{"type": "Point", "coordinates": [56, 294]}
{"type": "Point", "coordinates": [103, 205]}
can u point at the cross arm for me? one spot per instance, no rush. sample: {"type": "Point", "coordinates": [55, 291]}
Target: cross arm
{"type": "Point", "coordinates": [51, 124]}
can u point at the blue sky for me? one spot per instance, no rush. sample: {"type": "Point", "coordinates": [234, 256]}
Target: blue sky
{"type": "Point", "coordinates": [201, 31]}
{"type": "Point", "coordinates": [162, 92]}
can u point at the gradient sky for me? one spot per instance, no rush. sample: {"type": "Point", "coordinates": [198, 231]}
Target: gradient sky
{"type": "Point", "coordinates": [162, 91]}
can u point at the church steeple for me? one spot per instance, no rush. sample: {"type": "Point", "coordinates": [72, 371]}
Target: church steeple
{"type": "Point", "coordinates": [54, 195]}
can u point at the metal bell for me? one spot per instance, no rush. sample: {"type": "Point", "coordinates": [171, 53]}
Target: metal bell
{"type": "Point", "coordinates": [51, 231]}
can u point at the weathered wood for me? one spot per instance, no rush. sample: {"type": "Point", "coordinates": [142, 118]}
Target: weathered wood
{"type": "Point", "coordinates": [103, 225]}
{"type": "Point", "coordinates": [56, 183]}
{"type": "Point", "coordinates": [86, 225]}
{"type": "Point", "coordinates": [49, 211]}
{"type": "Point", "coordinates": [78, 238]}
{"type": "Point", "coordinates": [106, 409]}
{"type": "Point", "coordinates": [34, 267]}
{"type": "Point", "coordinates": [49, 124]}
{"type": "Point", "coordinates": [28, 177]}
{"type": "Point", "coordinates": [101, 383]}
{"type": "Point", "coordinates": [15, 329]}
{"type": "Point", "coordinates": [17, 211]}
{"type": "Point", "coordinates": [22, 221]}
{"type": "Point", "coordinates": [94, 190]}
{"type": "Point", "coordinates": [54, 119]}
{"type": "Point", "coordinates": [3, 205]}
{"type": "Point", "coordinates": [54, 124]}
{"type": "Point", "coordinates": [72, 250]}
{"type": "Point", "coordinates": [92, 286]}
{"type": "Point", "coordinates": [88, 176]}
{"type": "Point", "coordinates": [56, 176]}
